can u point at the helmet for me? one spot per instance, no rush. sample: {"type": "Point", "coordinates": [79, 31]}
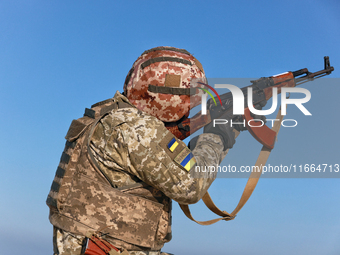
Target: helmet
{"type": "Point", "coordinates": [160, 83]}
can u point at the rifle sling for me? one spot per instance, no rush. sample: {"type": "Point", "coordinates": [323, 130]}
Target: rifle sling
{"type": "Point", "coordinates": [248, 190]}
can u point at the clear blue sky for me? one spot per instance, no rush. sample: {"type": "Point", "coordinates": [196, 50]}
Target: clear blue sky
{"type": "Point", "coordinates": [58, 57]}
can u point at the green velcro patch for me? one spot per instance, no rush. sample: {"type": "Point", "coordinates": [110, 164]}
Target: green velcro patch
{"type": "Point", "coordinates": [171, 145]}
{"type": "Point", "coordinates": [172, 80]}
{"type": "Point", "coordinates": [181, 156]}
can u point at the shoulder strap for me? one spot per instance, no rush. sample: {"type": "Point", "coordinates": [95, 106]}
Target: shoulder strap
{"type": "Point", "coordinates": [248, 190]}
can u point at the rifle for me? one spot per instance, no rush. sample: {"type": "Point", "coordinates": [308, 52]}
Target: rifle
{"type": "Point", "coordinates": [262, 91]}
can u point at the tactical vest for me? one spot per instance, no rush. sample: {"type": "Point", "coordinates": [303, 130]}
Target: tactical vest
{"type": "Point", "coordinates": [83, 198]}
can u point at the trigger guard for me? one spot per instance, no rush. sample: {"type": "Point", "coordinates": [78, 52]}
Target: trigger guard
{"type": "Point", "coordinates": [263, 134]}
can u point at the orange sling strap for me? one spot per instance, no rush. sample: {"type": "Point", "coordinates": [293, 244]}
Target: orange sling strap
{"type": "Point", "coordinates": [248, 190]}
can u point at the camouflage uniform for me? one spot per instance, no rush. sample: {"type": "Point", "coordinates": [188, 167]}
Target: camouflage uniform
{"type": "Point", "coordinates": [119, 171]}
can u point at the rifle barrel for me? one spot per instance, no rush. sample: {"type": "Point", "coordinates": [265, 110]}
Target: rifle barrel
{"type": "Point", "coordinates": [328, 69]}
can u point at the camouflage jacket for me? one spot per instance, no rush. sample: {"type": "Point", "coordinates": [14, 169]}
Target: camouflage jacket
{"type": "Point", "coordinates": [120, 169]}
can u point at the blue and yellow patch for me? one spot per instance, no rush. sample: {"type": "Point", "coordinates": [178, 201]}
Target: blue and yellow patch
{"type": "Point", "coordinates": [186, 159]}
{"type": "Point", "coordinates": [172, 145]}
{"type": "Point", "coordinates": [188, 162]}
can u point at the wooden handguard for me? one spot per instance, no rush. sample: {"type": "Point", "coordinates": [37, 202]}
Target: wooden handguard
{"type": "Point", "coordinates": [262, 134]}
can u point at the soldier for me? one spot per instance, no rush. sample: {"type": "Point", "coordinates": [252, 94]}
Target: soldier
{"type": "Point", "coordinates": [121, 167]}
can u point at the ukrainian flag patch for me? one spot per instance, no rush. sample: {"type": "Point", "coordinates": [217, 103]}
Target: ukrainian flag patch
{"type": "Point", "coordinates": [188, 162]}
{"type": "Point", "coordinates": [172, 144]}
{"type": "Point", "coordinates": [186, 159]}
